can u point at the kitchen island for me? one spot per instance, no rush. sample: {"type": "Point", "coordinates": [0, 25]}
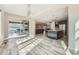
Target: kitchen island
{"type": "Point", "coordinates": [55, 34]}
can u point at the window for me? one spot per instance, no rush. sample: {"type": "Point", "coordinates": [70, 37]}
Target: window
{"type": "Point", "coordinates": [77, 30]}
{"type": "Point", "coordinates": [18, 27]}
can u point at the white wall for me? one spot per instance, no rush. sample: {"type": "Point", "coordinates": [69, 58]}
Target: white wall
{"type": "Point", "coordinates": [73, 18]}
{"type": "Point", "coordinates": [32, 27]}
{"type": "Point", "coordinates": [0, 23]}
{"type": "Point", "coordinates": [0, 29]}
{"type": "Point", "coordinates": [3, 27]}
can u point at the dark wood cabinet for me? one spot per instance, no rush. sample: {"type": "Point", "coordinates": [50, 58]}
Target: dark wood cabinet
{"type": "Point", "coordinates": [40, 28]}
{"type": "Point", "coordinates": [39, 31]}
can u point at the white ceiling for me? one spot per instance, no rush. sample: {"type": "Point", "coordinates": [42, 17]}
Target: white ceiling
{"type": "Point", "coordinates": [40, 12]}
{"type": "Point", "coordinates": [19, 9]}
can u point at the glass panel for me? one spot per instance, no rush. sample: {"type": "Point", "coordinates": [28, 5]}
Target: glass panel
{"type": "Point", "coordinates": [77, 30]}
{"type": "Point", "coordinates": [77, 37]}
{"type": "Point", "coordinates": [77, 26]}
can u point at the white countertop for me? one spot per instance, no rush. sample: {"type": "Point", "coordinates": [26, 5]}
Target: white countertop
{"type": "Point", "coordinates": [54, 30]}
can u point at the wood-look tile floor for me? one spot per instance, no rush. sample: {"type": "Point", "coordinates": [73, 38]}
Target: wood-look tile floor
{"type": "Point", "coordinates": [4, 50]}
{"type": "Point", "coordinates": [47, 47]}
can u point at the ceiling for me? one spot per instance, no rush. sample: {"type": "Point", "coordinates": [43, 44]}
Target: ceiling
{"type": "Point", "coordinates": [39, 12]}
